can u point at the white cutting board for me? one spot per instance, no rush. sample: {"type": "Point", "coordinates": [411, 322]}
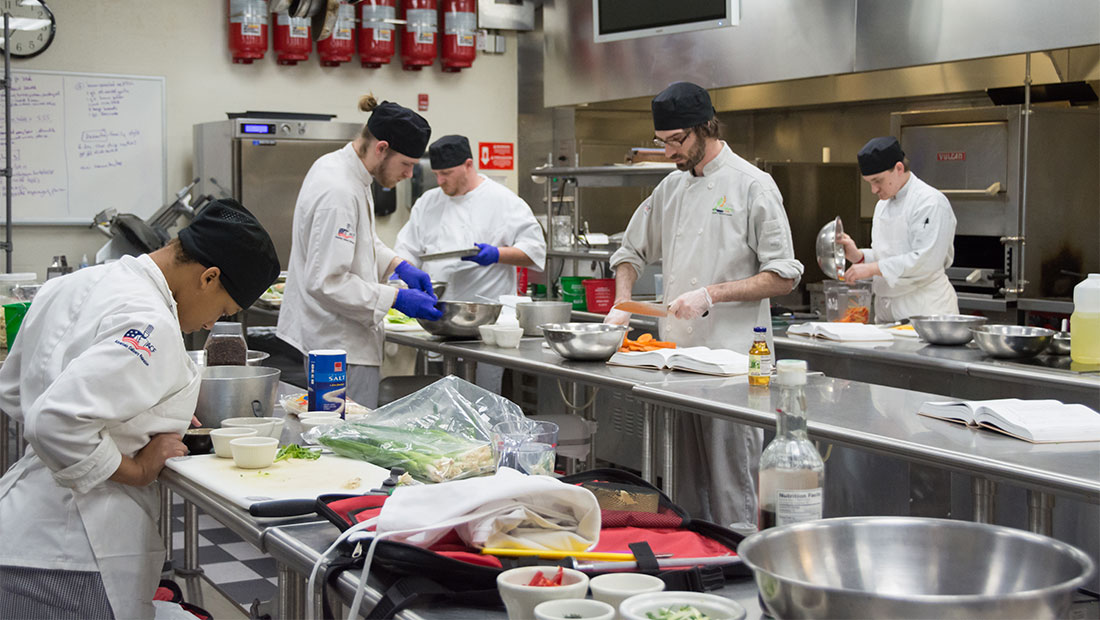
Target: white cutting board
{"type": "Point", "coordinates": [289, 479]}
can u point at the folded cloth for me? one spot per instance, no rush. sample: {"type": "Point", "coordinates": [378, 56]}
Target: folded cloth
{"type": "Point", "coordinates": [844, 332]}
{"type": "Point", "coordinates": [508, 510]}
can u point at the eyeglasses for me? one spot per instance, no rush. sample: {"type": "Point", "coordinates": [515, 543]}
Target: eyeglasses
{"type": "Point", "coordinates": [676, 141]}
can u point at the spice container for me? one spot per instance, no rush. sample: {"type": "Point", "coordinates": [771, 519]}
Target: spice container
{"type": "Point", "coordinates": [226, 345]}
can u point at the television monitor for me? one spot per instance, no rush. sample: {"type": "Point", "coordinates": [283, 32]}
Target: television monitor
{"type": "Point", "coordinates": [615, 20]}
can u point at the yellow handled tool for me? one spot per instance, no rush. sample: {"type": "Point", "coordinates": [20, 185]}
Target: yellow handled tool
{"type": "Point", "coordinates": [557, 555]}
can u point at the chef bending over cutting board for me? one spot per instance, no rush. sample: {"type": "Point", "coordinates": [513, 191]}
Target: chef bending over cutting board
{"type": "Point", "coordinates": [101, 381]}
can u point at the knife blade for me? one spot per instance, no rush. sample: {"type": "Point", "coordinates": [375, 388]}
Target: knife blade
{"type": "Point", "coordinates": [642, 307]}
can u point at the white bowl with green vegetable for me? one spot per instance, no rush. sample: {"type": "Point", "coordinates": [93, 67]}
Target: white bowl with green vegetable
{"type": "Point", "coordinates": [680, 606]}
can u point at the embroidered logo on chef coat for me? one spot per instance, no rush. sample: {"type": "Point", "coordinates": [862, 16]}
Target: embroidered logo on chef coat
{"type": "Point", "coordinates": [346, 233]}
{"type": "Point", "coordinates": [138, 343]}
{"type": "Point", "coordinates": [722, 207]}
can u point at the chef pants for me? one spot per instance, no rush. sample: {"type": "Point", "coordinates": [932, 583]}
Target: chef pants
{"type": "Point", "coordinates": [47, 594]}
{"type": "Point", "coordinates": [717, 462]}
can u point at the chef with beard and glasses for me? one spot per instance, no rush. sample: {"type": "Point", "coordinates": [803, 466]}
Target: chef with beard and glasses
{"type": "Point", "coordinates": [719, 226]}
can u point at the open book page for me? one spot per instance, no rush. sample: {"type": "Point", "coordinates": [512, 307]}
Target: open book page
{"type": "Point", "coordinates": [1037, 421]}
{"type": "Point", "coordinates": [694, 359]}
{"type": "Point", "coordinates": [845, 332]}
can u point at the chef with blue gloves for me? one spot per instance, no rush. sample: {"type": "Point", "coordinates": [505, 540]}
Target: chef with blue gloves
{"type": "Point", "coordinates": [336, 296]}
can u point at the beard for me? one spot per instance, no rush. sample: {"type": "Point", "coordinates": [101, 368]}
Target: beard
{"type": "Point", "coordinates": [693, 156]}
{"type": "Point", "coordinates": [389, 172]}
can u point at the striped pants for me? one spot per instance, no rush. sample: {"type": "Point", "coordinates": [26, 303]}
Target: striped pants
{"type": "Point", "coordinates": [47, 594]}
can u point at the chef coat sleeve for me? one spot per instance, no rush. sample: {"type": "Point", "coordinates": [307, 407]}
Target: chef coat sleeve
{"type": "Point", "coordinates": [329, 279]}
{"type": "Point", "coordinates": [931, 235]}
{"type": "Point", "coordinates": [642, 239]}
{"type": "Point", "coordinates": [769, 233]}
{"type": "Point", "coordinates": [528, 237]}
{"type": "Point", "coordinates": [106, 385]}
{"type": "Point", "coordinates": [409, 244]}
{"type": "Point", "coordinates": [9, 384]}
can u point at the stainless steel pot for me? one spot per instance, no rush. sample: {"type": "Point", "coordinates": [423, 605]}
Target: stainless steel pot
{"type": "Point", "coordinates": [909, 567]}
{"type": "Point", "coordinates": [236, 391]}
{"type": "Point", "coordinates": [531, 314]}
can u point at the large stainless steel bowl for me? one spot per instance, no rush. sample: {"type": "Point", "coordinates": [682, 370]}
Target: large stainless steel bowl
{"type": "Point", "coordinates": [254, 358]}
{"type": "Point", "coordinates": [461, 318]}
{"type": "Point", "coordinates": [909, 567]}
{"type": "Point", "coordinates": [236, 391]}
{"type": "Point", "coordinates": [830, 254]}
{"type": "Point", "coordinates": [584, 341]}
{"type": "Point", "coordinates": [946, 328]}
{"type": "Point", "coordinates": [531, 314]}
{"type": "Point", "coordinates": [1010, 341]}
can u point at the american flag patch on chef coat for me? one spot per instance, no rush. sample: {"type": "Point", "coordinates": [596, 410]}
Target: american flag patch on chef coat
{"type": "Point", "coordinates": [345, 234]}
{"type": "Point", "coordinates": [138, 343]}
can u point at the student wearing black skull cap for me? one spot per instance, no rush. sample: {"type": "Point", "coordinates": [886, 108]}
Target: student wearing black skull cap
{"type": "Point", "coordinates": [336, 294]}
{"type": "Point", "coordinates": [102, 384]}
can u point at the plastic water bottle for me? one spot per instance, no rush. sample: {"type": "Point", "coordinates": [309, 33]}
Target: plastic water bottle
{"type": "Point", "coordinates": [1085, 321]}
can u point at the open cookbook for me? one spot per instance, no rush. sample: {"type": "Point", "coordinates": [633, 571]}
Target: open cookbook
{"type": "Point", "coordinates": [722, 362]}
{"type": "Point", "coordinates": [1037, 421]}
{"type": "Point", "coordinates": [844, 332]}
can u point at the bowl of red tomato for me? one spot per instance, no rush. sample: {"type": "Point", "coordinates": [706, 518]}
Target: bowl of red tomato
{"type": "Point", "coordinates": [523, 588]}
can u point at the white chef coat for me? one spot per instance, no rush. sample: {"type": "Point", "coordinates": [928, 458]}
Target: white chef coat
{"type": "Point", "coordinates": [912, 239]}
{"type": "Point", "coordinates": [726, 225]}
{"type": "Point", "coordinates": [98, 368]}
{"type": "Point", "coordinates": [489, 213]}
{"type": "Point", "coordinates": [336, 296]}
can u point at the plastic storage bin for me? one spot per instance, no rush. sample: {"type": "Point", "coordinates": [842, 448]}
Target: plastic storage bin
{"type": "Point", "coordinates": [848, 302]}
{"type": "Point", "coordinates": [599, 294]}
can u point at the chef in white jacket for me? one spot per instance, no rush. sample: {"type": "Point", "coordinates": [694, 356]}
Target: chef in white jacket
{"type": "Point", "coordinates": [336, 295]}
{"type": "Point", "coordinates": [104, 389]}
{"type": "Point", "coordinates": [470, 210]}
{"type": "Point", "coordinates": [719, 226]}
{"type": "Point", "coordinates": [912, 238]}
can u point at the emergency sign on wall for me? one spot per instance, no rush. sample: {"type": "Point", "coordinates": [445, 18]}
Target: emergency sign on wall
{"type": "Point", "coordinates": [496, 155]}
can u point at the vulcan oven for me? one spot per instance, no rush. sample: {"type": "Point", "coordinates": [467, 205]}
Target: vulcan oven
{"type": "Point", "coordinates": [1028, 221]}
{"type": "Point", "coordinates": [261, 158]}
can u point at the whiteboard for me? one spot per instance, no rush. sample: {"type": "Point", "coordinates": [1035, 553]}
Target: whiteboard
{"type": "Point", "coordinates": [82, 143]}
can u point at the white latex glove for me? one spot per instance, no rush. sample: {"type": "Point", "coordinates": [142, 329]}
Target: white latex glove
{"type": "Point", "coordinates": [617, 317]}
{"type": "Point", "coordinates": [692, 304]}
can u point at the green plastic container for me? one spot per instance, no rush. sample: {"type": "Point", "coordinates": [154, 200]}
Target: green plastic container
{"type": "Point", "coordinates": [572, 290]}
{"type": "Point", "coordinates": [13, 318]}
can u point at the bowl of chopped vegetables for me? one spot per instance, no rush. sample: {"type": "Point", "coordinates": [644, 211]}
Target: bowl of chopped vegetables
{"type": "Point", "coordinates": [523, 588]}
{"type": "Point", "coordinates": [680, 606]}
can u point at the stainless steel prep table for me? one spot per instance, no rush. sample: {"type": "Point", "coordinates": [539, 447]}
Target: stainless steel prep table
{"type": "Point", "coordinates": [957, 371]}
{"type": "Point", "coordinates": [299, 546]}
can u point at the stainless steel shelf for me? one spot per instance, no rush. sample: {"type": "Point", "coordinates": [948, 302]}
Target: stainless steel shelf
{"type": "Point", "coordinates": [1061, 306]}
{"type": "Point", "coordinates": [581, 254]}
{"type": "Point", "coordinates": [970, 301]}
{"type": "Point", "coordinates": [609, 176]}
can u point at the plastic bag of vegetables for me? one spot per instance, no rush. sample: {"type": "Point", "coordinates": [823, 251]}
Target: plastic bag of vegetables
{"type": "Point", "coordinates": [438, 433]}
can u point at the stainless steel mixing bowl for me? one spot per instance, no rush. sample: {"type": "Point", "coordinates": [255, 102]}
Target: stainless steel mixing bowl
{"type": "Point", "coordinates": [584, 341]}
{"type": "Point", "coordinates": [946, 328]}
{"type": "Point", "coordinates": [910, 567]}
{"type": "Point", "coordinates": [255, 358]}
{"type": "Point", "coordinates": [531, 314]}
{"type": "Point", "coordinates": [461, 318]}
{"type": "Point", "coordinates": [830, 254]}
{"type": "Point", "coordinates": [1011, 341]}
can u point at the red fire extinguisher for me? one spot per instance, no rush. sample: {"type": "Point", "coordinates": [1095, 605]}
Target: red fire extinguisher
{"type": "Point", "coordinates": [418, 43]}
{"type": "Point", "coordinates": [376, 35]}
{"type": "Point", "coordinates": [293, 41]}
{"type": "Point", "coordinates": [459, 34]}
{"type": "Point", "coordinates": [340, 45]}
{"type": "Point", "coordinates": [247, 30]}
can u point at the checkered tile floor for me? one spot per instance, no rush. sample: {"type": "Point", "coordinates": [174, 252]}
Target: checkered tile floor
{"type": "Point", "coordinates": [238, 568]}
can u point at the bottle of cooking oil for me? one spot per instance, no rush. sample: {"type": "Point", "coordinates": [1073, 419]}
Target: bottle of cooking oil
{"type": "Point", "coordinates": [792, 474]}
{"type": "Point", "coordinates": [760, 358]}
{"type": "Point", "coordinates": [1084, 323]}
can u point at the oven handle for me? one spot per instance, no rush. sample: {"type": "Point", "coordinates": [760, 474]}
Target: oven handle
{"type": "Point", "coordinates": [992, 190]}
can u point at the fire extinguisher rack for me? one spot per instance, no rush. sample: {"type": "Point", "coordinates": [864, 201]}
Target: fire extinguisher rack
{"type": "Point", "coordinates": [7, 171]}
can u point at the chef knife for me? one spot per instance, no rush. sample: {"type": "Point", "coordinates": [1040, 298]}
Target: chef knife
{"type": "Point", "coordinates": [642, 307]}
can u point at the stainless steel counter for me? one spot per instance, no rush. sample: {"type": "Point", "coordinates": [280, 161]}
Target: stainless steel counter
{"type": "Point", "coordinates": [298, 547]}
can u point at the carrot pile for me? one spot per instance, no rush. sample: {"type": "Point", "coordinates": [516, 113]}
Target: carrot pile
{"type": "Point", "coordinates": [855, 314]}
{"type": "Point", "coordinates": [645, 342]}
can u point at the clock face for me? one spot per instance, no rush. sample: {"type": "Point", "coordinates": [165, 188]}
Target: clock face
{"type": "Point", "coordinates": [31, 27]}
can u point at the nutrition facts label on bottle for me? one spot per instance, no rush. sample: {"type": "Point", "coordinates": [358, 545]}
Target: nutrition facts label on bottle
{"type": "Point", "coordinates": [796, 506]}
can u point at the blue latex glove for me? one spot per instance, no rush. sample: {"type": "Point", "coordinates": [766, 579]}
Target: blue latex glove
{"type": "Point", "coordinates": [417, 304]}
{"type": "Point", "coordinates": [415, 278]}
{"type": "Point", "coordinates": [486, 256]}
